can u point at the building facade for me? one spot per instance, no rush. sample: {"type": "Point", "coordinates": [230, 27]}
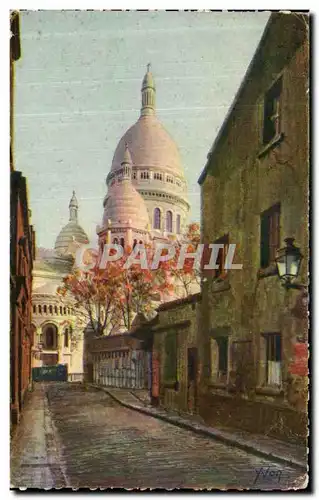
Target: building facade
{"type": "Point", "coordinates": [175, 354]}
{"type": "Point", "coordinates": [254, 191]}
{"type": "Point", "coordinates": [57, 325]}
{"type": "Point", "coordinates": [22, 248]}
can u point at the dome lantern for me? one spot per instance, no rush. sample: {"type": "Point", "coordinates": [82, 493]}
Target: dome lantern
{"type": "Point", "coordinates": [72, 232]}
{"type": "Point", "coordinates": [73, 207]}
{"type": "Point", "coordinates": [148, 93]}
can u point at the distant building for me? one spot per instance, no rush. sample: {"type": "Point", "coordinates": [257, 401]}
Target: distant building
{"type": "Point", "coordinates": [147, 190]}
{"type": "Point", "coordinates": [254, 191]}
{"type": "Point", "coordinates": [57, 325]}
{"type": "Point", "coordinates": [22, 247]}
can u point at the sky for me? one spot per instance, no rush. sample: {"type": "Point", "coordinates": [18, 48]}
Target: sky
{"type": "Point", "coordinates": [78, 90]}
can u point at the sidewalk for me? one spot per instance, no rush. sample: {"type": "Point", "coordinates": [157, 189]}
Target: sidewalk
{"type": "Point", "coordinates": [270, 448]}
{"type": "Point", "coordinates": [35, 460]}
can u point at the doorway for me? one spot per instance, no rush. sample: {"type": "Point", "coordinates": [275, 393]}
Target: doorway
{"type": "Point", "coordinates": [192, 379]}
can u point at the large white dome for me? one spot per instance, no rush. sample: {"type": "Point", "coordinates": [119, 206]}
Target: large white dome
{"type": "Point", "coordinates": [150, 145]}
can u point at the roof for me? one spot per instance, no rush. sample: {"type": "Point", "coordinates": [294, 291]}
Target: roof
{"type": "Point", "coordinates": [56, 265]}
{"type": "Point", "coordinates": [289, 43]}
{"type": "Point", "coordinates": [190, 299]}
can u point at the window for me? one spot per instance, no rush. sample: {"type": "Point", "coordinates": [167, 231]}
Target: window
{"type": "Point", "coordinates": [51, 309]}
{"type": "Point", "coordinates": [158, 176]}
{"type": "Point", "coordinates": [269, 235]}
{"type": "Point", "coordinates": [221, 258]}
{"type": "Point", "coordinates": [157, 218]}
{"type": "Point", "coordinates": [134, 243]}
{"type": "Point", "coordinates": [178, 224]}
{"type": "Point", "coordinates": [178, 182]}
{"type": "Point", "coordinates": [40, 309]}
{"type": "Point", "coordinates": [50, 332]}
{"type": "Point", "coordinates": [56, 309]}
{"type": "Point", "coordinates": [66, 337]}
{"type": "Point", "coordinates": [122, 242]}
{"type": "Point", "coordinates": [273, 358]}
{"type": "Point", "coordinates": [134, 175]}
{"type": "Point", "coordinates": [169, 221]}
{"type": "Point", "coordinates": [64, 310]}
{"type": "Point", "coordinates": [222, 343]}
{"type": "Point", "coordinates": [170, 179]}
{"type": "Point", "coordinates": [170, 365]}
{"type": "Point", "coordinates": [272, 110]}
{"type": "Point", "coordinates": [61, 310]}
{"type": "Point", "coordinates": [145, 175]}
{"type": "Point", "coordinates": [115, 241]}
{"type": "Point", "coordinates": [34, 309]}
{"type": "Point", "coordinates": [45, 309]}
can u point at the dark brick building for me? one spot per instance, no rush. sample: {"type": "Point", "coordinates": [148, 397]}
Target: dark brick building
{"type": "Point", "coordinates": [252, 334]}
{"type": "Point", "coordinates": [22, 247]}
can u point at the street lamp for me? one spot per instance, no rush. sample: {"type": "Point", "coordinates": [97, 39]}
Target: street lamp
{"type": "Point", "coordinates": [288, 264]}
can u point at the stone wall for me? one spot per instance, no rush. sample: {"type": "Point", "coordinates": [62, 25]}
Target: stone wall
{"type": "Point", "coordinates": [177, 318]}
{"type": "Point", "coordinates": [243, 178]}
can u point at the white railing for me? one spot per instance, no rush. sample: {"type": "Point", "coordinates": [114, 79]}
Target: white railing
{"type": "Point", "coordinates": [75, 377]}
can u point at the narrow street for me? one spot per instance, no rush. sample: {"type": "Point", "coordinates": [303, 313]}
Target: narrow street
{"type": "Point", "coordinates": [92, 441]}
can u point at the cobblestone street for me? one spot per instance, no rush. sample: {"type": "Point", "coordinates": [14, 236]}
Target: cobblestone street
{"type": "Point", "coordinates": [102, 444]}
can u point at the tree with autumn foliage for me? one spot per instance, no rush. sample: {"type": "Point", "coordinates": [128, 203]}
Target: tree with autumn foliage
{"type": "Point", "coordinates": [187, 276]}
{"type": "Point", "coordinates": [112, 296]}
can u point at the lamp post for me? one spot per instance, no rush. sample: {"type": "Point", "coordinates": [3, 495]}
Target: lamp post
{"type": "Point", "coordinates": [288, 262]}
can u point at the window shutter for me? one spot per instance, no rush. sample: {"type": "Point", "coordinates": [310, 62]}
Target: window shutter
{"type": "Point", "coordinates": [264, 242]}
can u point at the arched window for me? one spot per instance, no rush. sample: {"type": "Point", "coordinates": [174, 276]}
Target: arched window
{"type": "Point", "coordinates": [64, 310]}
{"type": "Point", "coordinates": [178, 224]}
{"type": "Point", "coordinates": [61, 310]}
{"type": "Point", "coordinates": [40, 309]}
{"type": "Point", "coordinates": [50, 336]}
{"type": "Point", "coordinates": [115, 241]}
{"type": "Point", "coordinates": [45, 309]}
{"type": "Point", "coordinates": [66, 337]}
{"type": "Point", "coordinates": [134, 243]}
{"type": "Point", "coordinates": [34, 309]}
{"type": "Point", "coordinates": [51, 309]}
{"type": "Point", "coordinates": [157, 218]}
{"type": "Point", "coordinates": [122, 242]}
{"type": "Point", "coordinates": [56, 309]}
{"type": "Point", "coordinates": [140, 242]}
{"type": "Point", "coordinates": [169, 221]}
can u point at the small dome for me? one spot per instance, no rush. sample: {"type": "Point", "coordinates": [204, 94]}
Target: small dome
{"type": "Point", "coordinates": [69, 234]}
{"type": "Point", "coordinates": [123, 203]}
{"type": "Point", "coordinates": [72, 233]}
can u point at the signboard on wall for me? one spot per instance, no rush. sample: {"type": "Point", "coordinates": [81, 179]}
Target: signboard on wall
{"type": "Point", "coordinates": [300, 364]}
